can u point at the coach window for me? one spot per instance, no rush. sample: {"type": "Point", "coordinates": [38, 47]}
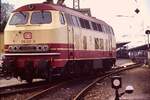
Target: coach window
{"type": "Point", "coordinates": [82, 23]}
{"type": "Point", "coordinates": [74, 20]}
{"type": "Point", "coordinates": [96, 43]}
{"type": "Point", "coordinates": [78, 21]}
{"type": "Point", "coordinates": [19, 18]}
{"type": "Point", "coordinates": [101, 43]}
{"type": "Point", "coordinates": [99, 27]}
{"type": "Point", "coordinates": [94, 26]}
{"type": "Point", "coordinates": [62, 19]}
{"type": "Point", "coordinates": [107, 29]}
{"type": "Point", "coordinates": [67, 19]}
{"type": "Point", "coordinates": [42, 17]}
{"type": "Point", "coordinates": [103, 28]}
{"type": "Point", "coordinates": [84, 42]}
{"type": "Point", "coordinates": [90, 23]}
{"type": "Point", "coordinates": [70, 19]}
{"type": "Point", "coordinates": [112, 31]}
{"type": "Point", "coordinates": [86, 22]}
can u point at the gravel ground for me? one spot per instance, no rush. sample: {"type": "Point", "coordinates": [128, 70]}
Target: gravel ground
{"type": "Point", "coordinates": [139, 78]}
{"type": "Point", "coordinates": [66, 92]}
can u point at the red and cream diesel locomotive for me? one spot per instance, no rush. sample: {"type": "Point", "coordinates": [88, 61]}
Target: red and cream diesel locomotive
{"type": "Point", "coordinates": [43, 40]}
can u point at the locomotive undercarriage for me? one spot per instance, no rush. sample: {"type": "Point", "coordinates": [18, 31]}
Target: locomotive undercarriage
{"type": "Point", "coordinates": [84, 67]}
{"type": "Point", "coordinates": [28, 71]}
{"type": "Point", "coordinates": [44, 70]}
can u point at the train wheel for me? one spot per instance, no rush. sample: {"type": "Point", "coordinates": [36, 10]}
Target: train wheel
{"type": "Point", "coordinates": [7, 71]}
{"type": "Point", "coordinates": [29, 71]}
{"type": "Point", "coordinates": [28, 76]}
{"type": "Point", "coordinates": [49, 74]}
{"type": "Point", "coordinates": [77, 69]}
{"type": "Point", "coordinates": [91, 69]}
{"type": "Point", "coordinates": [86, 67]}
{"type": "Point", "coordinates": [29, 80]}
{"type": "Point", "coordinates": [107, 64]}
{"type": "Point", "coordinates": [67, 72]}
{"type": "Point", "coordinates": [46, 70]}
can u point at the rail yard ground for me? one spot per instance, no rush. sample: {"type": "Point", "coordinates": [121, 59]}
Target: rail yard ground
{"type": "Point", "coordinates": [139, 78]}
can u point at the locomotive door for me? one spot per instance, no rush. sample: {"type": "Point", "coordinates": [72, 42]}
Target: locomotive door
{"type": "Point", "coordinates": [74, 36]}
{"type": "Point", "coordinates": [70, 36]}
{"type": "Point", "coordinates": [70, 42]}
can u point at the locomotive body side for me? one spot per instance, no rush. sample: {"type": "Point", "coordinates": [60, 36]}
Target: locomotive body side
{"type": "Point", "coordinates": [56, 40]}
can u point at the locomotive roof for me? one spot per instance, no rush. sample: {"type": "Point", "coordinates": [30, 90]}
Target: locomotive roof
{"type": "Point", "coordinates": [48, 6]}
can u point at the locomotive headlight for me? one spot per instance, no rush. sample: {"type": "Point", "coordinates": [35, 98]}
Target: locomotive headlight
{"type": "Point", "coordinates": [38, 48]}
{"type": "Point", "coordinates": [45, 48]}
{"type": "Point", "coordinates": [13, 48]}
{"type": "Point", "coordinates": [10, 48]}
{"type": "Point", "coordinates": [42, 48]}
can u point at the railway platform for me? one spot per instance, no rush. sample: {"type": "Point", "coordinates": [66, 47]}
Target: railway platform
{"type": "Point", "coordinates": [139, 78]}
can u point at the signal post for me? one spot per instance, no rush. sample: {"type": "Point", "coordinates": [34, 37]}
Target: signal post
{"type": "Point", "coordinates": [148, 47]}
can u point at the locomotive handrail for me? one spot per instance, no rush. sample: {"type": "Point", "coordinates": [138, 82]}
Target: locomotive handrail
{"type": "Point", "coordinates": [31, 54]}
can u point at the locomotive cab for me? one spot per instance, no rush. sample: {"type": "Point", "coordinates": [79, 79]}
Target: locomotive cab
{"type": "Point", "coordinates": [34, 27]}
{"type": "Point", "coordinates": [32, 36]}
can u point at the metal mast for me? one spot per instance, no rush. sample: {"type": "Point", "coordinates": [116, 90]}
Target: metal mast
{"type": "Point", "coordinates": [50, 1]}
{"type": "Point", "coordinates": [76, 4]}
{"type": "Point", "coordinates": [60, 2]}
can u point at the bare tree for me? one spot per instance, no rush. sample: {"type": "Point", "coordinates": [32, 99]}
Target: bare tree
{"type": "Point", "coordinates": [6, 9]}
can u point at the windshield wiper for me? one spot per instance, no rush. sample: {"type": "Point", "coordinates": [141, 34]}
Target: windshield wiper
{"type": "Point", "coordinates": [22, 14]}
{"type": "Point", "coordinates": [42, 13]}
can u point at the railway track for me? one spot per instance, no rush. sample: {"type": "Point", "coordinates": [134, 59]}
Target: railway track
{"type": "Point", "coordinates": [23, 91]}
{"type": "Point", "coordinates": [68, 89]}
{"type": "Point", "coordinates": [18, 88]}
{"type": "Point", "coordinates": [74, 89]}
{"type": "Point", "coordinates": [85, 90]}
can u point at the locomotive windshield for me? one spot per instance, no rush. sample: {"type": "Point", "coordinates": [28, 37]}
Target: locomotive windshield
{"type": "Point", "coordinates": [19, 18]}
{"type": "Point", "coordinates": [41, 17]}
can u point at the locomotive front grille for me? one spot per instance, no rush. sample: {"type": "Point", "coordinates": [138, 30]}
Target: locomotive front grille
{"type": "Point", "coordinates": [28, 48]}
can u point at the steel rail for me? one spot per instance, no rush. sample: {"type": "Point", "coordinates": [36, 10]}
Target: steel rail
{"type": "Point", "coordinates": [46, 88]}
{"type": "Point", "coordinates": [19, 88]}
{"type": "Point", "coordinates": [87, 88]}
{"type": "Point", "coordinates": [39, 94]}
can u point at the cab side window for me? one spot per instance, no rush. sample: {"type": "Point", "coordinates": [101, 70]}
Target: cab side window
{"type": "Point", "coordinates": [62, 19]}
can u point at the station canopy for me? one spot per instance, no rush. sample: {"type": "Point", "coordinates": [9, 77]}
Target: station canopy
{"type": "Point", "coordinates": [119, 45]}
{"type": "Point", "coordinates": [142, 47]}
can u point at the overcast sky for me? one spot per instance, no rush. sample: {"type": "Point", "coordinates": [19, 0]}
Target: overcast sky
{"type": "Point", "coordinates": [129, 27]}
